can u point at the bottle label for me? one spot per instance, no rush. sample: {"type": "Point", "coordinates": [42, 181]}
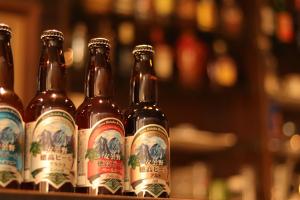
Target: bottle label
{"type": "Point", "coordinates": [28, 139]}
{"type": "Point", "coordinates": [53, 149]}
{"type": "Point", "coordinates": [150, 160]}
{"type": "Point", "coordinates": [101, 155]}
{"type": "Point", "coordinates": [11, 145]}
{"type": "Point", "coordinates": [127, 185]}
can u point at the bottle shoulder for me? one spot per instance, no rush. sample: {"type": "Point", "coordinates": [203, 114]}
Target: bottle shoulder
{"type": "Point", "coordinates": [44, 101]}
{"type": "Point", "coordinates": [94, 109]}
{"type": "Point", "coordinates": [10, 98]}
{"type": "Point", "coordinates": [97, 104]}
{"type": "Point", "coordinates": [142, 111]}
{"type": "Point", "coordinates": [138, 116]}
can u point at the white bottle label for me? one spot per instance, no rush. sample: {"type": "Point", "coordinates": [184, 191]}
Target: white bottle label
{"type": "Point", "coordinates": [149, 161]}
{"type": "Point", "coordinates": [53, 149]}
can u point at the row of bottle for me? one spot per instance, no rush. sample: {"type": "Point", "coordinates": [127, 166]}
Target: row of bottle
{"type": "Point", "coordinates": [209, 14]}
{"type": "Point", "coordinates": [96, 148]}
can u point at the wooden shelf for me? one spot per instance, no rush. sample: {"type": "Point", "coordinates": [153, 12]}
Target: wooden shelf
{"type": "Point", "coordinates": [187, 138]}
{"type": "Point", "coordinates": [287, 150]}
{"type": "Point", "coordinates": [8, 194]}
{"type": "Point", "coordinates": [286, 101]}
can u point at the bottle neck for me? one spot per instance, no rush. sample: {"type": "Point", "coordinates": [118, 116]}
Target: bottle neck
{"type": "Point", "coordinates": [143, 80]}
{"type": "Point", "coordinates": [52, 67]}
{"type": "Point", "coordinates": [99, 81]}
{"type": "Point", "coordinates": [6, 63]}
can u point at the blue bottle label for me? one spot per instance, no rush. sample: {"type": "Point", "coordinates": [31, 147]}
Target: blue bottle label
{"type": "Point", "coordinates": [11, 145]}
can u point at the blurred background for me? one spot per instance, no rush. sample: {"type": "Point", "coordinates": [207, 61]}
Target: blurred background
{"type": "Point", "coordinates": [229, 81]}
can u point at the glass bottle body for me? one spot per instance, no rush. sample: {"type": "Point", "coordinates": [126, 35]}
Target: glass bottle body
{"type": "Point", "coordinates": [51, 129]}
{"type": "Point", "coordinates": [11, 108]}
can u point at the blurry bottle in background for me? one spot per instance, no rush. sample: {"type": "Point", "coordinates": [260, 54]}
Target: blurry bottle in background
{"type": "Point", "coordinates": [231, 18]}
{"type": "Point", "coordinates": [101, 132]}
{"type": "Point", "coordinates": [186, 9]}
{"type": "Point", "coordinates": [163, 58]}
{"type": "Point", "coordinates": [164, 9]}
{"type": "Point", "coordinates": [11, 118]}
{"type": "Point", "coordinates": [267, 23]}
{"type": "Point", "coordinates": [222, 71]}
{"type": "Point", "coordinates": [78, 43]}
{"type": "Point", "coordinates": [284, 26]}
{"type": "Point", "coordinates": [51, 131]}
{"type": "Point", "coordinates": [98, 6]}
{"type": "Point", "coordinates": [106, 29]}
{"type": "Point", "coordinates": [269, 61]}
{"type": "Point", "coordinates": [207, 15]}
{"type": "Point", "coordinates": [143, 9]}
{"type": "Point", "coordinates": [191, 57]}
{"type": "Point", "coordinates": [126, 38]}
{"type": "Point", "coordinates": [75, 57]}
{"type": "Point", "coordinates": [124, 7]}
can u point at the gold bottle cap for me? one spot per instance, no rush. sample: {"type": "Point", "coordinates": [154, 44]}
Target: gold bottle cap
{"type": "Point", "coordinates": [143, 48]}
{"type": "Point", "coordinates": [5, 27]}
{"type": "Point", "coordinates": [52, 33]}
{"type": "Point", "coordinates": [98, 41]}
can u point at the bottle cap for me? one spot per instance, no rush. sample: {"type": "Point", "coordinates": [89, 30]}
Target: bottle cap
{"type": "Point", "coordinates": [5, 27]}
{"type": "Point", "coordinates": [143, 48]}
{"type": "Point", "coordinates": [52, 33]}
{"type": "Point", "coordinates": [98, 41]}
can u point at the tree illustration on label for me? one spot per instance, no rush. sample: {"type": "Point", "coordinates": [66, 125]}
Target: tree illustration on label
{"type": "Point", "coordinates": [105, 156]}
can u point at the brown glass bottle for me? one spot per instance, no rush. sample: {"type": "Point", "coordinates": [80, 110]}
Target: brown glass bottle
{"type": "Point", "coordinates": [11, 112]}
{"type": "Point", "coordinates": [100, 126]}
{"type": "Point", "coordinates": [50, 124]}
{"type": "Point", "coordinates": [143, 118]}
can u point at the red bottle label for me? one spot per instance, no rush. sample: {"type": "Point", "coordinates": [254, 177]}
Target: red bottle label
{"type": "Point", "coordinates": [101, 163]}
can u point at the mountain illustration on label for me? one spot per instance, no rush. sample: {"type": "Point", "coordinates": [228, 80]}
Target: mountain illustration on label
{"type": "Point", "coordinates": [149, 161]}
{"type": "Point", "coordinates": [7, 136]}
{"type": "Point", "coordinates": [11, 131]}
{"type": "Point", "coordinates": [105, 155]}
{"type": "Point", "coordinates": [52, 149]}
{"type": "Point", "coordinates": [156, 154]}
{"type": "Point", "coordinates": [105, 149]}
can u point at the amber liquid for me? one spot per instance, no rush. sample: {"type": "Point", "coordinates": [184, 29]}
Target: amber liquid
{"type": "Point", "coordinates": [98, 103]}
{"type": "Point", "coordinates": [144, 109]}
{"type": "Point", "coordinates": [7, 95]}
{"type": "Point", "coordinates": [51, 95]}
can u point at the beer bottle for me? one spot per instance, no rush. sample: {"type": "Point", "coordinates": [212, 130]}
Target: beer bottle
{"type": "Point", "coordinates": [101, 131]}
{"type": "Point", "coordinates": [50, 127]}
{"type": "Point", "coordinates": [147, 133]}
{"type": "Point", "coordinates": [11, 123]}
